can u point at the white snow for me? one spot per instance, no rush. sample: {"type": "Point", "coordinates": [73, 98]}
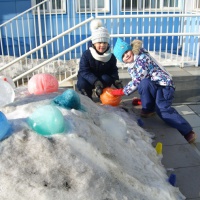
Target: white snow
{"type": "Point", "coordinates": [104, 155]}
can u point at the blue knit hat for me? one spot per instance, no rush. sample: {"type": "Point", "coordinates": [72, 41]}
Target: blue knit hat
{"type": "Point", "coordinates": [120, 48]}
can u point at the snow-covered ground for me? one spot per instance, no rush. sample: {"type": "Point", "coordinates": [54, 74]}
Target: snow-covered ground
{"type": "Point", "coordinates": [102, 155]}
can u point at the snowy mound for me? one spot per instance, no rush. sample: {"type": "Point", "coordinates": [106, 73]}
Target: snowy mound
{"type": "Point", "coordinates": [104, 155]}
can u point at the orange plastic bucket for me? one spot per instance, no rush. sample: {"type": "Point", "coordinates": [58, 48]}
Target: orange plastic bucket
{"type": "Point", "coordinates": [108, 99]}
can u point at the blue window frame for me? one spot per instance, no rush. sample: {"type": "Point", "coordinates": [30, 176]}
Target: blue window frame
{"type": "Point", "coordinates": [128, 5]}
{"type": "Point", "coordinates": [52, 6]}
{"type": "Point", "coordinates": [87, 6]}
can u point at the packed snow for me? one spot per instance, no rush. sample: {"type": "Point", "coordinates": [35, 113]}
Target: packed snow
{"type": "Point", "coordinates": [102, 154]}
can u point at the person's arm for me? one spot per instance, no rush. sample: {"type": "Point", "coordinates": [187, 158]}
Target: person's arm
{"type": "Point", "coordinates": [85, 68]}
{"type": "Point", "coordinates": [138, 72]}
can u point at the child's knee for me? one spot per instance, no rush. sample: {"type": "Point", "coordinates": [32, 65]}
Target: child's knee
{"type": "Point", "coordinates": [144, 84]}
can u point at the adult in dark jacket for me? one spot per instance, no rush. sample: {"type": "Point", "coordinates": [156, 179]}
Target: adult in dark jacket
{"type": "Point", "coordinates": [98, 69]}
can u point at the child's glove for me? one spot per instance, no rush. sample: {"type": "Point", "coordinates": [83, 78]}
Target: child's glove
{"type": "Point", "coordinates": [117, 92]}
{"type": "Point", "coordinates": [136, 101]}
{"type": "Point", "coordinates": [98, 88]}
{"type": "Point", "coordinates": [118, 84]}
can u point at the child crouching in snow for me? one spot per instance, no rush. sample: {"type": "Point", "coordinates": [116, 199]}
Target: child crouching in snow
{"type": "Point", "coordinates": [154, 84]}
{"type": "Point", "coordinates": [98, 66]}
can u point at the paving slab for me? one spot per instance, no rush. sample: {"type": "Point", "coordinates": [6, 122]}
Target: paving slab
{"type": "Point", "coordinates": [188, 181]}
{"type": "Point", "coordinates": [163, 133]}
{"type": "Point", "coordinates": [177, 156]}
{"type": "Point", "coordinates": [195, 108]}
{"type": "Point", "coordinates": [197, 131]}
{"type": "Point", "coordinates": [194, 120]}
{"type": "Point", "coordinates": [184, 110]}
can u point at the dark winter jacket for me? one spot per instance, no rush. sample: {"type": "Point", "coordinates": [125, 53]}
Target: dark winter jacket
{"type": "Point", "coordinates": [91, 69]}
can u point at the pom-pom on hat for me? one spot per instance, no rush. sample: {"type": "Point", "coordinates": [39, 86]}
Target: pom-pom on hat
{"type": "Point", "coordinates": [136, 45]}
{"type": "Point", "coordinates": [120, 48]}
{"type": "Point", "coordinates": [99, 33]}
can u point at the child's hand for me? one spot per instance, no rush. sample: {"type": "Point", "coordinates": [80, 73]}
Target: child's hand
{"type": "Point", "coordinates": [118, 84]}
{"type": "Point", "coordinates": [98, 88]}
{"type": "Point", "coordinates": [98, 91]}
{"type": "Point", "coordinates": [98, 84]}
{"type": "Point", "coordinates": [117, 92]}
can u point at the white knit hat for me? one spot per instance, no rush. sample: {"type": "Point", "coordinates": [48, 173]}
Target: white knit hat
{"type": "Point", "coordinates": [99, 33]}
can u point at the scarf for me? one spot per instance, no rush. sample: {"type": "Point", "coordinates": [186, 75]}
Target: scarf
{"type": "Point", "coordinates": [103, 58]}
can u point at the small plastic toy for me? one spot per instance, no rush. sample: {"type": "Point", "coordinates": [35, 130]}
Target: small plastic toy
{"type": "Point", "coordinates": [140, 122]}
{"type": "Point", "coordinates": [136, 102]}
{"type": "Point", "coordinates": [159, 148]}
{"type": "Point", "coordinates": [172, 179]}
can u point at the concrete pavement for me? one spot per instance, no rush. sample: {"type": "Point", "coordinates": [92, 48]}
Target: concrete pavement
{"type": "Point", "coordinates": [179, 158]}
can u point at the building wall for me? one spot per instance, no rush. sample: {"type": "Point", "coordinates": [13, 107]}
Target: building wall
{"type": "Point", "coordinates": [11, 8]}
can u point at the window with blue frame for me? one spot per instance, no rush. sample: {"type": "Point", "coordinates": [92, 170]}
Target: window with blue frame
{"type": "Point", "coordinates": [197, 6]}
{"type": "Point", "coordinates": [85, 6]}
{"type": "Point", "coordinates": [52, 6]}
{"type": "Point", "coordinates": [170, 3]}
{"type": "Point", "coordinates": [128, 5]}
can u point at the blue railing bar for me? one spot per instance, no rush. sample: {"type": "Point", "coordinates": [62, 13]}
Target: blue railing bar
{"type": "Point", "coordinates": [148, 16]}
{"type": "Point", "coordinates": [154, 34]}
{"type": "Point", "coordinates": [46, 43]}
{"type": "Point", "coordinates": [30, 9]}
{"type": "Point", "coordinates": [53, 58]}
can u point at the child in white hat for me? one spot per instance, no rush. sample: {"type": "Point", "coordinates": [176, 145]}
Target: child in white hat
{"type": "Point", "coordinates": [154, 84]}
{"type": "Point", "coordinates": [98, 66]}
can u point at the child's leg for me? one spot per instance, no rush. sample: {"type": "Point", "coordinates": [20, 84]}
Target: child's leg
{"type": "Point", "coordinates": [84, 87]}
{"type": "Point", "coordinates": [164, 99]}
{"type": "Point", "coordinates": [147, 90]}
